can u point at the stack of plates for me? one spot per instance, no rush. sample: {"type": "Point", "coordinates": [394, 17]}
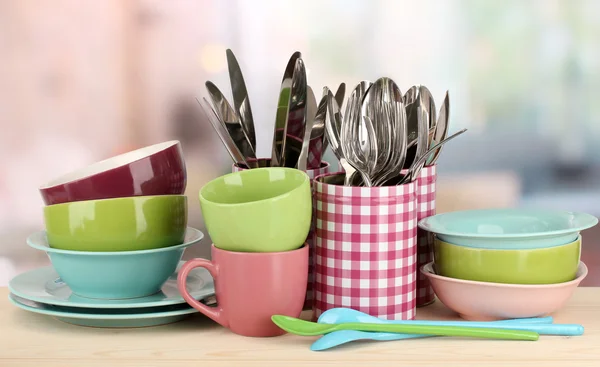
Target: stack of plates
{"type": "Point", "coordinates": [42, 291]}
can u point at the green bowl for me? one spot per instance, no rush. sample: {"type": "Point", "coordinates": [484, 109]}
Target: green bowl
{"type": "Point", "coordinates": [121, 224]}
{"type": "Point", "coordinates": [258, 210]}
{"type": "Point", "coordinates": [115, 275]}
{"type": "Point", "coordinates": [531, 266]}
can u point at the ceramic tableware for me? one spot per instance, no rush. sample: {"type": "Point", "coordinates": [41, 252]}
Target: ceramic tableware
{"type": "Point", "coordinates": [112, 318]}
{"type": "Point", "coordinates": [312, 173]}
{"type": "Point", "coordinates": [43, 285]}
{"type": "Point", "coordinates": [307, 328]}
{"type": "Point", "coordinates": [258, 210]}
{"type": "Point", "coordinates": [482, 301]}
{"type": "Point", "coordinates": [157, 169]}
{"type": "Point", "coordinates": [120, 224]}
{"type": "Point", "coordinates": [250, 287]}
{"type": "Point", "coordinates": [547, 265]}
{"type": "Point", "coordinates": [508, 228]}
{"type": "Point", "coordinates": [115, 275]}
{"type": "Point", "coordinates": [365, 248]}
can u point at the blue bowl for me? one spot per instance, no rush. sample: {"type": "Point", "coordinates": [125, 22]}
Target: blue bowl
{"type": "Point", "coordinates": [508, 228]}
{"type": "Point", "coordinates": [115, 275]}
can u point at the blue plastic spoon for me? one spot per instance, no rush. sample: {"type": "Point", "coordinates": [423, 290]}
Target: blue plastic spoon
{"type": "Point", "coordinates": [543, 325]}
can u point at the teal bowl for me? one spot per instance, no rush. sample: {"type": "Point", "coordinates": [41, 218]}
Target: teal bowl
{"type": "Point", "coordinates": [115, 275]}
{"type": "Point", "coordinates": [509, 229]}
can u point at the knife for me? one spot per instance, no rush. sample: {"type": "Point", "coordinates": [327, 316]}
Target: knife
{"type": "Point", "coordinates": [340, 94]}
{"type": "Point", "coordinates": [282, 110]}
{"type": "Point", "coordinates": [231, 121]}
{"type": "Point", "coordinates": [232, 149]}
{"type": "Point", "coordinates": [311, 112]}
{"type": "Point", "coordinates": [441, 129]}
{"type": "Point", "coordinates": [295, 122]}
{"type": "Point", "coordinates": [339, 98]}
{"type": "Point", "coordinates": [317, 133]}
{"type": "Point", "coordinates": [241, 100]}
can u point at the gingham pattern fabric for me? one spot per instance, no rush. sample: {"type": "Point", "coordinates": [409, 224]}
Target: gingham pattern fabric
{"type": "Point", "coordinates": [365, 249]}
{"type": "Point", "coordinates": [312, 173]}
{"type": "Point", "coordinates": [425, 208]}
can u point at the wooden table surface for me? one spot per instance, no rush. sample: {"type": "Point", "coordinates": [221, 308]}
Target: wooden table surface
{"type": "Point", "coordinates": [28, 339]}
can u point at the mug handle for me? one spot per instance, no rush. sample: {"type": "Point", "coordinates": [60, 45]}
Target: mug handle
{"type": "Point", "coordinates": [215, 313]}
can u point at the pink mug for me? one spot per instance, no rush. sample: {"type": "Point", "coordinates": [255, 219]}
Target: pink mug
{"type": "Point", "coordinates": [251, 287]}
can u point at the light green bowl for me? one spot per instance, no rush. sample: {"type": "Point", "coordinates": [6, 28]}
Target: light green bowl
{"type": "Point", "coordinates": [531, 266]}
{"type": "Point", "coordinates": [121, 224]}
{"type": "Point", "coordinates": [258, 210]}
{"type": "Point", "coordinates": [508, 228]}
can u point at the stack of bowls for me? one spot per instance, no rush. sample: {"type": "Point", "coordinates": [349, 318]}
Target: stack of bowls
{"type": "Point", "coordinates": [116, 229]}
{"type": "Point", "coordinates": [506, 263]}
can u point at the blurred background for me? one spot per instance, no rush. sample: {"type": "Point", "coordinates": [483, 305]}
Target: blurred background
{"type": "Point", "coordinates": [81, 81]}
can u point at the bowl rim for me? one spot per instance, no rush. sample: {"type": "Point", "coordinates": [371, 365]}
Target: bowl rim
{"type": "Point", "coordinates": [579, 240]}
{"type": "Point", "coordinates": [39, 241]}
{"type": "Point", "coordinates": [426, 225]}
{"type": "Point", "coordinates": [99, 167]}
{"type": "Point", "coordinates": [123, 198]}
{"type": "Point", "coordinates": [305, 181]}
{"type": "Point", "coordinates": [582, 272]}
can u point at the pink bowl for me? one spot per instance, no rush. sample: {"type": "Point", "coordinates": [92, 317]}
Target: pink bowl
{"type": "Point", "coordinates": [157, 169]}
{"type": "Point", "coordinates": [481, 301]}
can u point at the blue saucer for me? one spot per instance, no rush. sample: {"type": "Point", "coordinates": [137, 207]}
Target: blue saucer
{"type": "Point", "coordinates": [110, 318]}
{"type": "Point", "coordinates": [43, 285]}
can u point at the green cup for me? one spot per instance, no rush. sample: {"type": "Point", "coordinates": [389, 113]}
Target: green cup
{"type": "Point", "coordinates": [547, 265]}
{"type": "Point", "coordinates": [120, 224]}
{"type": "Point", "coordinates": [258, 210]}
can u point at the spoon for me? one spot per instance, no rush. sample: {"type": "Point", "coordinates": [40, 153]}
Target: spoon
{"type": "Point", "coordinates": [333, 124]}
{"type": "Point", "coordinates": [341, 315]}
{"type": "Point", "coordinates": [341, 337]}
{"type": "Point", "coordinates": [306, 328]}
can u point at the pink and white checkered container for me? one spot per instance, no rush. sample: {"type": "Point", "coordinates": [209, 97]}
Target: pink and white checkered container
{"type": "Point", "coordinates": [365, 248]}
{"type": "Point", "coordinates": [425, 208]}
{"type": "Point", "coordinates": [312, 173]}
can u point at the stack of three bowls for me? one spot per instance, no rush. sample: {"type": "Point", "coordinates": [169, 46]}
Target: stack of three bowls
{"type": "Point", "coordinates": [506, 263]}
{"type": "Point", "coordinates": [115, 233]}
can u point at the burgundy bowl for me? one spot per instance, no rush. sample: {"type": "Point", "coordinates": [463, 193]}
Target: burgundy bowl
{"type": "Point", "coordinates": [153, 170]}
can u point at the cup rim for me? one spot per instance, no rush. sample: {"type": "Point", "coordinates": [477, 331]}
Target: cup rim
{"type": "Point", "coordinates": [582, 271]}
{"type": "Point", "coordinates": [124, 198]}
{"type": "Point", "coordinates": [34, 238]}
{"type": "Point", "coordinates": [306, 179]}
{"type": "Point", "coordinates": [109, 164]}
{"type": "Point", "coordinates": [303, 247]}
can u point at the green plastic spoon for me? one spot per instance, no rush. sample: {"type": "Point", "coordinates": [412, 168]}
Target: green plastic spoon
{"type": "Point", "coordinates": [307, 328]}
